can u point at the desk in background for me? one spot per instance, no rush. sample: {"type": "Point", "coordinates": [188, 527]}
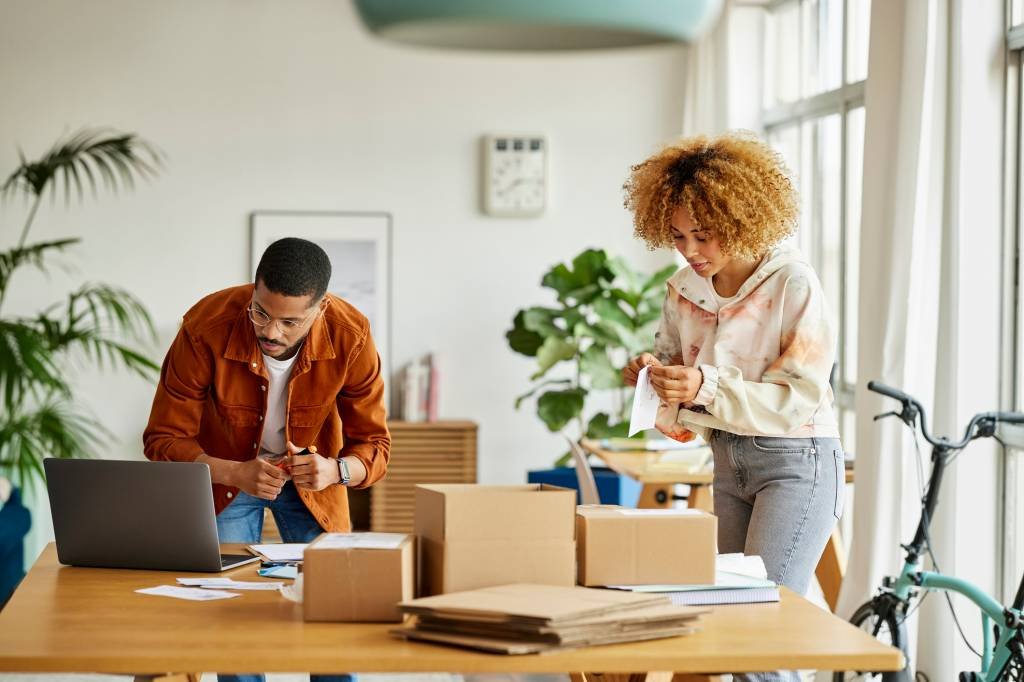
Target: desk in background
{"type": "Point", "coordinates": [657, 492]}
{"type": "Point", "coordinates": [67, 619]}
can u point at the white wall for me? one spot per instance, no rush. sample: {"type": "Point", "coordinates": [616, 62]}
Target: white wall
{"type": "Point", "coordinates": [271, 105]}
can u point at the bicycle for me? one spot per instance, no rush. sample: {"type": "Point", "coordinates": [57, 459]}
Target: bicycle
{"type": "Point", "coordinates": [884, 615]}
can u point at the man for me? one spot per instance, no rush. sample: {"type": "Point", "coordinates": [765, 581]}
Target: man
{"type": "Point", "coordinates": [256, 369]}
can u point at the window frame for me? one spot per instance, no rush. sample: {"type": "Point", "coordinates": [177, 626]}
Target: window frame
{"type": "Point", "coordinates": [842, 100]}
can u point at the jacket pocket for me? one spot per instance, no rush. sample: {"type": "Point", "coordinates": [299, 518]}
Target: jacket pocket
{"type": "Point", "coordinates": [309, 417]}
{"type": "Point", "coordinates": [239, 415]}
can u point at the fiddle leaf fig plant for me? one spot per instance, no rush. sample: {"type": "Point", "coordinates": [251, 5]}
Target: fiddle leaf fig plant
{"type": "Point", "coordinates": [605, 312]}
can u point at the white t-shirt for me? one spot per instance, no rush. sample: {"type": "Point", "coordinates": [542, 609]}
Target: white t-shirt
{"type": "Point", "coordinates": [277, 405]}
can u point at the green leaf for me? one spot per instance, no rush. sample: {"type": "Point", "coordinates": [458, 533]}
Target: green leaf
{"type": "Point", "coordinates": [596, 365]}
{"type": "Point", "coordinates": [572, 317]}
{"type": "Point", "coordinates": [590, 266]}
{"type": "Point", "coordinates": [543, 321]}
{"type": "Point", "coordinates": [583, 281]}
{"type": "Point", "coordinates": [28, 367]}
{"type": "Point", "coordinates": [610, 311]}
{"type": "Point", "coordinates": [33, 254]}
{"type": "Point", "coordinates": [599, 427]}
{"type": "Point", "coordinates": [54, 429]}
{"type": "Point", "coordinates": [522, 340]}
{"type": "Point", "coordinates": [551, 352]}
{"type": "Point", "coordinates": [117, 157]}
{"type": "Point", "coordinates": [601, 334]}
{"type": "Point", "coordinates": [632, 300]}
{"type": "Point", "coordinates": [622, 271]}
{"type": "Point", "coordinates": [95, 316]}
{"type": "Point", "coordinates": [561, 279]}
{"type": "Point", "coordinates": [585, 294]}
{"type": "Point", "coordinates": [558, 408]}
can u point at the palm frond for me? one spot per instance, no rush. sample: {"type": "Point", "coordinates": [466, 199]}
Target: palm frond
{"type": "Point", "coordinates": [54, 429]}
{"type": "Point", "coordinates": [115, 158]}
{"type": "Point", "coordinates": [33, 254]}
{"type": "Point", "coordinates": [28, 366]}
{"type": "Point", "coordinates": [93, 319]}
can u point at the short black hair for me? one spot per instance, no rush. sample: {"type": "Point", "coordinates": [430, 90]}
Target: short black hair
{"type": "Point", "coordinates": [295, 267]}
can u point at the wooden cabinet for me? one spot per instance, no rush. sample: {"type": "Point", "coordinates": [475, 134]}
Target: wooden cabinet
{"type": "Point", "coordinates": [429, 452]}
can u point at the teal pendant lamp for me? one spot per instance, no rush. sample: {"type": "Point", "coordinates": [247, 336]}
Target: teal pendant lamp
{"type": "Point", "coordinates": [532, 25]}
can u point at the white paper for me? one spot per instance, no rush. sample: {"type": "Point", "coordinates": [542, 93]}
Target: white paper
{"type": "Point", "coordinates": [360, 541]}
{"type": "Point", "coordinates": [293, 592]}
{"type": "Point", "coordinates": [645, 404]}
{"type": "Point", "coordinates": [190, 593]}
{"type": "Point", "coordinates": [742, 564]}
{"type": "Point", "coordinates": [288, 551]}
{"type": "Point", "coordinates": [661, 512]}
{"type": "Point", "coordinates": [229, 584]}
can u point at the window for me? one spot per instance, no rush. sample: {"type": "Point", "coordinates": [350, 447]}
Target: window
{"type": "Point", "coordinates": [815, 65]}
{"type": "Point", "coordinates": [1013, 332]}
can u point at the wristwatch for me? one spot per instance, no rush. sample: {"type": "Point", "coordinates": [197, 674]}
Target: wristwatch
{"type": "Point", "coordinates": [343, 475]}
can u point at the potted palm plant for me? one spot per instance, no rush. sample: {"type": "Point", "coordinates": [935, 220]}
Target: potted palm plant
{"type": "Point", "coordinates": [101, 323]}
{"type": "Point", "coordinates": [605, 312]}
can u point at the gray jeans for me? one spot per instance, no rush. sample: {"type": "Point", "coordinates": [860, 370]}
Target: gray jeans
{"type": "Point", "coordinates": [778, 498]}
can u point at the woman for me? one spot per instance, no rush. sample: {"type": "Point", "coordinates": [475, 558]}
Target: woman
{"type": "Point", "coordinates": [745, 347]}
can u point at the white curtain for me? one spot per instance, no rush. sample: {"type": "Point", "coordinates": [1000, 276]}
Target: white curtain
{"type": "Point", "coordinates": [902, 270]}
{"type": "Point", "coordinates": [706, 79]}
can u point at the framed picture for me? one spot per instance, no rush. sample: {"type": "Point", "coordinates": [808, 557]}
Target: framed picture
{"type": "Point", "coordinates": [359, 246]}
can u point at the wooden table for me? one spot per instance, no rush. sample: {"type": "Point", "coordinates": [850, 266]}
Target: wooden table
{"type": "Point", "coordinates": [66, 619]}
{"type": "Point", "coordinates": [657, 492]}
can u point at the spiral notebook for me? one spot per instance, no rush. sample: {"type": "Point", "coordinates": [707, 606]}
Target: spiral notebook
{"type": "Point", "coordinates": [744, 595]}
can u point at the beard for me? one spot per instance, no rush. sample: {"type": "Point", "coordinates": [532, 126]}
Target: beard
{"type": "Point", "coordinates": [281, 351]}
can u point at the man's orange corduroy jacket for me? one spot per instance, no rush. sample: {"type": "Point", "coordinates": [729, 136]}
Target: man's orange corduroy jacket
{"type": "Point", "coordinates": [211, 398]}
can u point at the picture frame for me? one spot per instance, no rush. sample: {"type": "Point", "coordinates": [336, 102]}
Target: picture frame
{"type": "Point", "coordinates": [359, 246]}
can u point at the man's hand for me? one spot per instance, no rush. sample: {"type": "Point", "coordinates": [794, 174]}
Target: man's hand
{"type": "Point", "coordinates": [312, 471]}
{"type": "Point", "coordinates": [676, 384]}
{"type": "Point", "coordinates": [258, 478]}
{"type": "Point", "coordinates": [630, 372]}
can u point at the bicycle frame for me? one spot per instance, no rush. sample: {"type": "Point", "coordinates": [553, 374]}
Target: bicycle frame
{"type": "Point", "coordinates": [911, 578]}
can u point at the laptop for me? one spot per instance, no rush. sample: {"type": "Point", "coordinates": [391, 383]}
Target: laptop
{"type": "Point", "coordinates": [133, 514]}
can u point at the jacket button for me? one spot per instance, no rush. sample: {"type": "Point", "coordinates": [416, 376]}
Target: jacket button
{"type": "Point", "coordinates": [230, 494]}
{"type": "Point", "coordinates": [254, 364]}
{"type": "Point", "coordinates": [263, 388]}
{"type": "Point", "coordinates": [254, 445]}
{"type": "Point", "coordinates": [261, 417]}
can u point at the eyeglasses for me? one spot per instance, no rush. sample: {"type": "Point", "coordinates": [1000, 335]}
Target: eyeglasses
{"type": "Point", "coordinates": [261, 319]}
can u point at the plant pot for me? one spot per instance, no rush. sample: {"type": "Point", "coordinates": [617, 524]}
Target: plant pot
{"type": "Point", "coordinates": [612, 488]}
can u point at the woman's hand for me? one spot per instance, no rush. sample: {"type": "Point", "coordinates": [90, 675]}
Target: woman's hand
{"type": "Point", "coordinates": [630, 371]}
{"type": "Point", "coordinates": [676, 384]}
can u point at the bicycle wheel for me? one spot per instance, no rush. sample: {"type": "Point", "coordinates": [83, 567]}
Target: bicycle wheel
{"type": "Point", "coordinates": [882, 622]}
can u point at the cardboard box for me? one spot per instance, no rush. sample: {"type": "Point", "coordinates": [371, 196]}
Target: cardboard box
{"type": "Point", "coordinates": [480, 535]}
{"type": "Point", "coordinates": [617, 546]}
{"type": "Point", "coordinates": [357, 577]}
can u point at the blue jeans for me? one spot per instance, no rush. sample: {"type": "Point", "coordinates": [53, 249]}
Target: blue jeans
{"type": "Point", "coordinates": [778, 498]}
{"type": "Point", "coordinates": [242, 521]}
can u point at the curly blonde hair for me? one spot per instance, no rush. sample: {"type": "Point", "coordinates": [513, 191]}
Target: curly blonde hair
{"type": "Point", "coordinates": [735, 186]}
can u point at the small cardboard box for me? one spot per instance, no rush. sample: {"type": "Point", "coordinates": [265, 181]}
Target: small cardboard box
{"type": "Point", "coordinates": [474, 536]}
{"type": "Point", "coordinates": [357, 577]}
{"type": "Point", "coordinates": [617, 546]}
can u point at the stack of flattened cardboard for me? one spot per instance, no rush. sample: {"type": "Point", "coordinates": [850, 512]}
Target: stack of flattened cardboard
{"type": "Point", "coordinates": [531, 618]}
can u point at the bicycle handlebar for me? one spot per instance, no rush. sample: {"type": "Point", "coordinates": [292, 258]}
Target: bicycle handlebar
{"type": "Point", "coordinates": [912, 409]}
{"type": "Point", "coordinates": [891, 392]}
